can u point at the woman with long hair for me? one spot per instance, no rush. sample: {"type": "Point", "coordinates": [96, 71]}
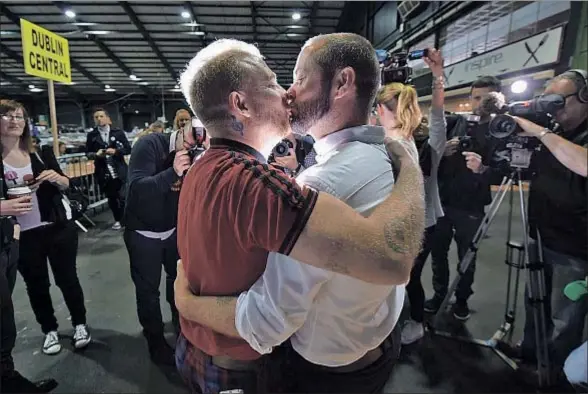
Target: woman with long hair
{"type": "Point", "coordinates": [182, 118]}
{"type": "Point", "coordinates": [400, 115]}
{"type": "Point", "coordinates": [155, 127]}
{"type": "Point", "coordinates": [47, 231]}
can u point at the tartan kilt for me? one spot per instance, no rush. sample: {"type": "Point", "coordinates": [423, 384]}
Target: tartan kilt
{"type": "Point", "coordinates": [202, 376]}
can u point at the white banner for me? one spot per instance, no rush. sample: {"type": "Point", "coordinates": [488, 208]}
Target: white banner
{"type": "Point", "coordinates": [538, 50]}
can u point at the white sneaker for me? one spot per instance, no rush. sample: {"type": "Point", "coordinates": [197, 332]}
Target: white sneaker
{"type": "Point", "coordinates": [116, 226]}
{"type": "Point", "coordinates": [51, 344]}
{"type": "Point", "coordinates": [411, 332]}
{"type": "Point", "coordinates": [81, 336]}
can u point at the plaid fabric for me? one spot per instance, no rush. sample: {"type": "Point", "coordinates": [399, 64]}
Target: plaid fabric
{"type": "Point", "coordinates": [202, 376]}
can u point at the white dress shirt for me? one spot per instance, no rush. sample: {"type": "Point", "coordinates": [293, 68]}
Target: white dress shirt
{"type": "Point", "coordinates": [332, 319]}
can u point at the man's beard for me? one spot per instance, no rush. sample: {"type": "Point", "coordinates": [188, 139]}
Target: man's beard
{"type": "Point", "coordinates": [308, 113]}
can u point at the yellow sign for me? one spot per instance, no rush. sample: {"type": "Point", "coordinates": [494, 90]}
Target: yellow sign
{"type": "Point", "coordinates": [45, 54]}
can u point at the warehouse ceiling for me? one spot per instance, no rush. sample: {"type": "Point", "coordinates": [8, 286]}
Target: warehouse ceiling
{"type": "Point", "coordinates": [119, 48]}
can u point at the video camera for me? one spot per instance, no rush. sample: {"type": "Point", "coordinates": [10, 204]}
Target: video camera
{"type": "Point", "coordinates": [394, 67]}
{"type": "Point", "coordinates": [503, 126]}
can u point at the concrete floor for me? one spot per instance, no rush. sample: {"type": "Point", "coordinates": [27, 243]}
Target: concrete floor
{"type": "Point", "coordinates": [118, 361]}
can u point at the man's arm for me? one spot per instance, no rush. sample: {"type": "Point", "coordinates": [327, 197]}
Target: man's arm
{"type": "Point", "coordinates": [379, 249]}
{"type": "Point", "coordinates": [143, 179]}
{"type": "Point", "coordinates": [573, 156]}
{"type": "Point", "coordinates": [126, 150]}
{"type": "Point", "coordinates": [90, 152]}
{"type": "Point", "coordinates": [218, 313]}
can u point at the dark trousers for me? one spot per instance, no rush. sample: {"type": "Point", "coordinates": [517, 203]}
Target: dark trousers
{"type": "Point", "coordinates": [114, 191]}
{"type": "Point", "coordinates": [8, 269]}
{"type": "Point", "coordinates": [147, 256]}
{"type": "Point", "coordinates": [59, 244]}
{"type": "Point", "coordinates": [565, 318]}
{"type": "Point", "coordinates": [312, 378]}
{"type": "Point", "coordinates": [414, 288]}
{"type": "Point", "coordinates": [461, 226]}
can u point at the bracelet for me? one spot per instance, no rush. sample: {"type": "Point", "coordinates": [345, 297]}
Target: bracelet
{"type": "Point", "coordinates": [438, 78]}
{"type": "Point", "coordinates": [544, 133]}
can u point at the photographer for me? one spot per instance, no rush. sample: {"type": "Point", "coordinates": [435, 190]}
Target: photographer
{"type": "Point", "coordinates": [557, 214]}
{"type": "Point", "coordinates": [158, 161]}
{"type": "Point", "coordinates": [400, 115]}
{"type": "Point", "coordinates": [464, 188]}
{"type": "Point", "coordinates": [108, 146]}
{"type": "Point", "coordinates": [294, 154]}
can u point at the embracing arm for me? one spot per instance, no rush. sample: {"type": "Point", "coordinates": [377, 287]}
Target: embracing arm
{"type": "Point", "coordinates": [379, 249]}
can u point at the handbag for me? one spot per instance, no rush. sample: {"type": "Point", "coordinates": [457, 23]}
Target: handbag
{"type": "Point", "coordinates": [74, 202]}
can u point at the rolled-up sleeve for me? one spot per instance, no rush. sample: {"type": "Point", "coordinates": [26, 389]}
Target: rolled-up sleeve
{"type": "Point", "coordinates": [276, 306]}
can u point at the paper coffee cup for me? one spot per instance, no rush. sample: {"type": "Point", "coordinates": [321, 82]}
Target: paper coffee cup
{"type": "Point", "coordinates": [17, 192]}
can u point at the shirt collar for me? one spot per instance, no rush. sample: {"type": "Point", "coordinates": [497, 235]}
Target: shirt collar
{"type": "Point", "coordinates": [366, 133]}
{"type": "Point", "coordinates": [225, 143]}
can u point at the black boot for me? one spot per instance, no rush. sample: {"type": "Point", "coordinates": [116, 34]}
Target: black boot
{"type": "Point", "coordinates": [160, 351]}
{"type": "Point", "coordinates": [16, 383]}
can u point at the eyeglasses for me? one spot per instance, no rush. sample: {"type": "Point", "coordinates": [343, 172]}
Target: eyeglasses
{"type": "Point", "coordinates": [8, 118]}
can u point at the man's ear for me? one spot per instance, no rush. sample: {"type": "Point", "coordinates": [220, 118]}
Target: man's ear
{"type": "Point", "coordinates": [238, 105]}
{"type": "Point", "coordinates": [344, 82]}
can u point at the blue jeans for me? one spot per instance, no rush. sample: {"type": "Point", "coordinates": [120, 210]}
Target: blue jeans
{"type": "Point", "coordinates": [565, 318]}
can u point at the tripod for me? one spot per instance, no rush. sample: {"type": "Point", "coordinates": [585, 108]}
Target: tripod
{"type": "Point", "coordinates": [517, 259]}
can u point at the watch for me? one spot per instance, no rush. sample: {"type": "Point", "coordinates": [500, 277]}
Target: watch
{"type": "Point", "coordinates": [543, 134]}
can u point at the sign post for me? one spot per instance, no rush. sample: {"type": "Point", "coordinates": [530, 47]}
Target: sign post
{"type": "Point", "coordinates": [46, 55]}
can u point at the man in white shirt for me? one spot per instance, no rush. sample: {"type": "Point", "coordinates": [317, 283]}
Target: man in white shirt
{"type": "Point", "coordinates": [342, 330]}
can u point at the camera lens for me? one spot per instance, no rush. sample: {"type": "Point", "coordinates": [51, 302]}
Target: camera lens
{"type": "Point", "coordinates": [502, 126]}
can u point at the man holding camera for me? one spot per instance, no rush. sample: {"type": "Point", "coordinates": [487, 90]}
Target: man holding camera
{"type": "Point", "coordinates": [158, 161]}
{"type": "Point", "coordinates": [557, 216]}
{"type": "Point", "coordinates": [464, 196]}
{"type": "Point", "coordinates": [294, 154]}
{"type": "Point", "coordinates": [107, 146]}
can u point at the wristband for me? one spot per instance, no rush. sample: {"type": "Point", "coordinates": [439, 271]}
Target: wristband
{"type": "Point", "coordinates": [543, 134]}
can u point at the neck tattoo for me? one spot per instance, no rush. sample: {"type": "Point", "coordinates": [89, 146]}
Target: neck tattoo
{"type": "Point", "coordinates": [237, 126]}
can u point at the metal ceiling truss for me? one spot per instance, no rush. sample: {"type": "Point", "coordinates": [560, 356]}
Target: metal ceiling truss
{"type": "Point", "coordinates": [155, 40]}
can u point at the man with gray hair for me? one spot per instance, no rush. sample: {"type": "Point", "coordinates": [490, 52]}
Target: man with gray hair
{"type": "Point", "coordinates": [265, 212]}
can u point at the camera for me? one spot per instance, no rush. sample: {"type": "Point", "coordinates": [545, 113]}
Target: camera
{"type": "Point", "coordinates": [199, 136]}
{"type": "Point", "coordinates": [539, 110]}
{"type": "Point", "coordinates": [282, 148]}
{"type": "Point", "coordinates": [395, 66]}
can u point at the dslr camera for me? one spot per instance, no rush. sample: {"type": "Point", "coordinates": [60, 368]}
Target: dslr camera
{"type": "Point", "coordinates": [282, 148]}
{"type": "Point", "coordinates": [198, 135]}
{"type": "Point", "coordinates": [466, 143]}
{"type": "Point", "coordinates": [394, 67]}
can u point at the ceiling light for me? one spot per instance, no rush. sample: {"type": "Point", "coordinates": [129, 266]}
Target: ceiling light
{"type": "Point", "coordinates": [296, 16]}
{"type": "Point", "coordinates": [296, 27]}
{"type": "Point", "coordinates": [185, 14]}
{"type": "Point", "coordinates": [177, 87]}
{"type": "Point", "coordinates": [195, 33]}
{"type": "Point", "coordinates": [518, 86]}
{"type": "Point", "coordinates": [6, 33]}
{"type": "Point", "coordinates": [191, 24]}
{"type": "Point", "coordinates": [31, 86]}
{"type": "Point", "coordinates": [97, 32]}
{"type": "Point", "coordinates": [133, 77]}
{"type": "Point", "coordinates": [70, 14]}
{"type": "Point", "coordinates": [35, 90]}
{"type": "Point", "coordinates": [106, 86]}
{"type": "Point", "coordinates": [3, 83]}
{"type": "Point", "coordinates": [292, 34]}
{"type": "Point", "coordinates": [109, 90]}
{"type": "Point", "coordinates": [84, 23]}
{"type": "Point", "coordinates": [144, 83]}
{"type": "Point", "coordinates": [136, 111]}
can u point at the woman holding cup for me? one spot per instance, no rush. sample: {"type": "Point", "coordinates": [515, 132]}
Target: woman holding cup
{"type": "Point", "coordinates": [33, 183]}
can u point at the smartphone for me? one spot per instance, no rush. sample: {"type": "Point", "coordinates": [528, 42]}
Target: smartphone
{"type": "Point", "coordinates": [198, 131]}
{"type": "Point", "coordinates": [418, 54]}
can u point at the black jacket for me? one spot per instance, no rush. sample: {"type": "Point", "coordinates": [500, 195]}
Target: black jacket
{"type": "Point", "coordinates": [459, 187]}
{"type": "Point", "coordinates": [50, 197]}
{"type": "Point", "coordinates": [152, 201]}
{"type": "Point", "coordinates": [558, 200]}
{"type": "Point", "coordinates": [117, 140]}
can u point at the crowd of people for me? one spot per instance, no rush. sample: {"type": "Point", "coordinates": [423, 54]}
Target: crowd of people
{"type": "Point", "coordinates": [287, 271]}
